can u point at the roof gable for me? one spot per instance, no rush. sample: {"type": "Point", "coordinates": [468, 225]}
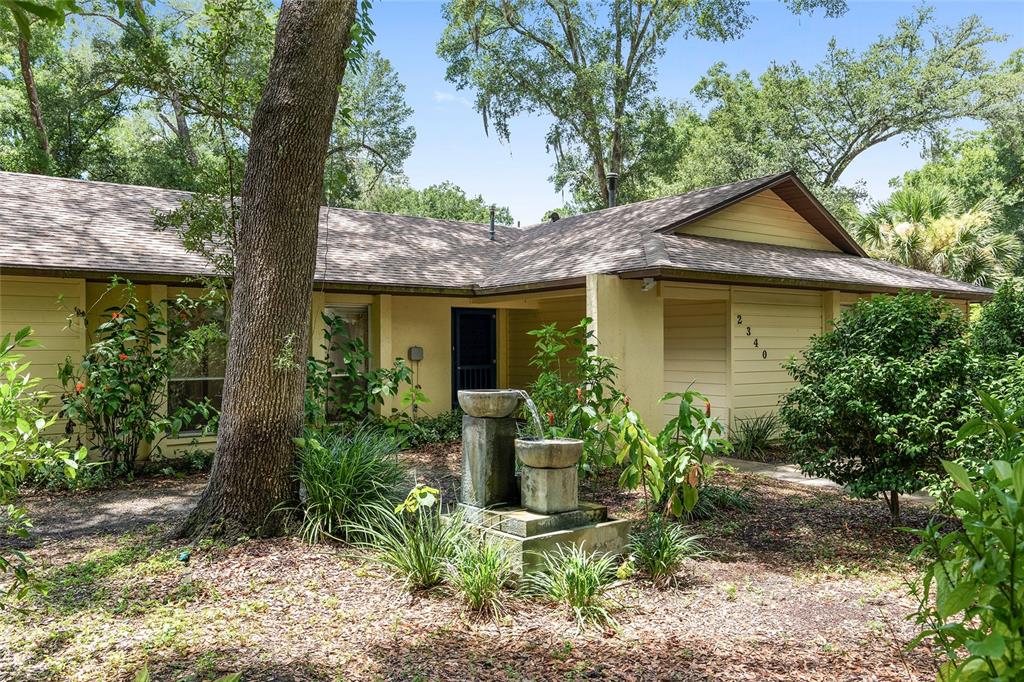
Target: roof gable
{"type": "Point", "coordinates": [788, 188]}
{"type": "Point", "coordinates": [763, 218]}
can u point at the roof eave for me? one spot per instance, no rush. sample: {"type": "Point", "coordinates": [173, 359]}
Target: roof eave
{"type": "Point", "coordinates": [705, 277]}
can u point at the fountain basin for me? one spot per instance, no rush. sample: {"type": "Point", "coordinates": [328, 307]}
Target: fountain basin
{"type": "Point", "coordinates": [492, 403]}
{"type": "Point", "coordinates": [551, 453]}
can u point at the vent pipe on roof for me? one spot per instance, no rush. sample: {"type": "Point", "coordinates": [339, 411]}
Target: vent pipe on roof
{"type": "Point", "coordinates": [492, 222]}
{"type": "Point", "coordinates": [553, 216]}
{"type": "Point", "coordinates": [613, 186]}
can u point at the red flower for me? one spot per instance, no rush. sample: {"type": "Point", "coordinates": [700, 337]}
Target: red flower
{"type": "Point", "coordinates": [579, 394]}
{"type": "Point", "coordinates": [707, 408]}
{"type": "Point", "coordinates": [115, 316]}
{"type": "Point", "coordinates": [122, 356]}
{"type": "Point", "coordinates": [551, 418]}
{"type": "Point", "coordinates": [626, 401]}
{"type": "Point", "coordinates": [79, 387]}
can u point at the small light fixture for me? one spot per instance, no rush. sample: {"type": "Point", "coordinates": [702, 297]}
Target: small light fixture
{"type": "Point", "coordinates": [648, 284]}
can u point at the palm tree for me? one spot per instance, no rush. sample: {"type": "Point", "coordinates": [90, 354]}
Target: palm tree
{"type": "Point", "coordinates": [925, 228]}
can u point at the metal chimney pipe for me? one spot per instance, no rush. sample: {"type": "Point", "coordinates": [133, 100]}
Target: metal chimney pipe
{"type": "Point", "coordinates": [492, 222]}
{"type": "Point", "coordinates": [613, 186]}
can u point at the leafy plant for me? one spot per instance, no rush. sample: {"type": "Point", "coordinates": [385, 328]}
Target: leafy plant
{"type": "Point", "coordinates": [686, 443]}
{"type": "Point", "coordinates": [971, 594]}
{"type": "Point", "coordinates": [659, 548]}
{"type": "Point", "coordinates": [579, 580]}
{"type": "Point", "coordinates": [415, 542]}
{"type": "Point", "coordinates": [638, 455]}
{"type": "Point", "coordinates": [341, 475]}
{"type": "Point", "coordinates": [755, 438]}
{"type": "Point", "coordinates": [575, 387]}
{"type": "Point", "coordinates": [24, 448]}
{"type": "Point", "coordinates": [999, 329]}
{"type": "Point", "coordinates": [713, 499]}
{"type": "Point", "coordinates": [879, 397]}
{"type": "Point", "coordinates": [118, 390]}
{"type": "Point", "coordinates": [348, 392]}
{"type": "Point", "coordinates": [479, 573]}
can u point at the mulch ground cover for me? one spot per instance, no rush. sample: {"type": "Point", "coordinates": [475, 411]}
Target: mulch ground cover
{"type": "Point", "coordinates": [806, 585]}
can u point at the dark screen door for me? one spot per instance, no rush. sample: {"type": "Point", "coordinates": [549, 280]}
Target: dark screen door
{"type": "Point", "coordinates": [474, 350]}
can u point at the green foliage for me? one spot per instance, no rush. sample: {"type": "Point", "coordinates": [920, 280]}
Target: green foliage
{"type": "Point", "coordinates": [444, 201]}
{"type": "Point", "coordinates": [577, 579]}
{"type": "Point", "coordinates": [714, 499]}
{"type": "Point", "coordinates": [591, 67]}
{"type": "Point", "coordinates": [879, 397]}
{"type": "Point", "coordinates": [971, 594]}
{"type": "Point", "coordinates": [755, 438]}
{"type": "Point", "coordinates": [658, 549]}
{"type": "Point", "coordinates": [416, 543]}
{"type": "Point", "coordinates": [686, 443]}
{"type": "Point", "coordinates": [999, 329]}
{"type": "Point", "coordinates": [575, 387]}
{"type": "Point", "coordinates": [479, 572]}
{"type": "Point", "coordinates": [923, 227]}
{"type": "Point", "coordinates": [348, 392]}
{"type": "Point", "coordinates": [23, 449]}
{"type": "Point", "coordinates": [913, 82]}
{"type": "Point", "coordinates": [143, 676]}
{"type": "Point", "coordinates": [118, 390]}
{"type": "Point", "coordinates": [445, 427]}
{"type": "Point", "coordinates": [341, 475]}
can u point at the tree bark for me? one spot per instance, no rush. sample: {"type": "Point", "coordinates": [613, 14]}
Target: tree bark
{"type": "Point", "coordinates": [893, 499]}
{"type": "Point", "coordinates": [252, 480]}
{"type": "Point", "coordinates": [35, 109]}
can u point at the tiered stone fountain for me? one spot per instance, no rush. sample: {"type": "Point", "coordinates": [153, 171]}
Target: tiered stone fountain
{"type": "Point", "coordinates": [543, 512]}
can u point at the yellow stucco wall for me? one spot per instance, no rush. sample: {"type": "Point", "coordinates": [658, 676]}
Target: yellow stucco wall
{"type": "Point", "coordinates": [763, 218]}
{"type": "Point", "coordinates": [565, 311]}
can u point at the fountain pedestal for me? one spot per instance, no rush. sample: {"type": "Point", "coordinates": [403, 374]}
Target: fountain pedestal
{"type": "Point", "coordinates": [550, 514]}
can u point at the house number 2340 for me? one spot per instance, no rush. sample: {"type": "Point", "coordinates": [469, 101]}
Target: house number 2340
{"type": "Point", "coordinates": [757, 343]}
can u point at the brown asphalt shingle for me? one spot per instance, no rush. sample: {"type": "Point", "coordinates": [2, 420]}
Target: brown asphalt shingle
{"type": "Point", "coordinates": [61, 224]}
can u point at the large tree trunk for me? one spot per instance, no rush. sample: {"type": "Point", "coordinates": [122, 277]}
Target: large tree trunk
{"type": "Point", "coordinates": [34, 108]}
{"type": "Point", "coordinates": [253, 472]}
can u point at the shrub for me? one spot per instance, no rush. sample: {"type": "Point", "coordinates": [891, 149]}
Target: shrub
{"type": "Point", "coordinates": [659, 548]}
{"type": "Point", "coordinates": [714, 499]}
{"type": "Point", "coordinates": [579, 580]}
{"type": "Point", "coordinates": [969, 598]}
{"type": "Point", "coordinates": [118, 391]}
{"type": "Point", "coordinates": [575, 387]}
{"type": "Point", "coordinates": [23, 449]}
{"type": "Point", "coordinates": [999, 329]}
{"type": "Point", "coordinates": [479, 572]}
{"type": "Point", "coordinates": [415, 541]}
{"type": "Point", "coordinates": [879, 398]}
{"type": "Point", "coordinates": [341, 475]}
{"type": "Point", "coordinates": [686, 443]}
{"type": "Point", "coordinates": [446, 427]}
{"type": "Point", "coordinates": [755, 438]}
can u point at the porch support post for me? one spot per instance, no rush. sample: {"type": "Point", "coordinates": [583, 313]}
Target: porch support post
{"type": "Point", "coordinates": [630, 328]}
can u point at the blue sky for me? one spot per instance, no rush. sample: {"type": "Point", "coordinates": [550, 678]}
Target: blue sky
{"type": "Point", "coordinates": [451, 144]}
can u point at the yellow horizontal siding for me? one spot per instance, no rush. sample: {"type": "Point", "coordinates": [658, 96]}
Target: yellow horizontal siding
{"type": "Point", "coordinates": [764, 218]}
{"type": "Point", "coordinates": [566, 312]}
{"type": "Point", "coordinates": [782, 322]}
{"type": "Point", "coordinates": [696, 353]}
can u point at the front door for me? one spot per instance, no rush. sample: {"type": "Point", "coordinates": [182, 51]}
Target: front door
{"type": "Point", "coordinates": [474, 350]}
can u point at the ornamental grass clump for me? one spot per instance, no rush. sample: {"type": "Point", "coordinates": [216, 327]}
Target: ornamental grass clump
{"type": "Point", "coordinates": [756, 438]}
{"type": "Point", "coordinates": [414, 541]}
{"type": "Point", "coordinates": [342, 476]}
{"type": "Point", "coordinates": [479, 573]}
{"type": "Point", "coordinates": [578, 579]}
{"type": "Point", "coordinates": [659, 549]}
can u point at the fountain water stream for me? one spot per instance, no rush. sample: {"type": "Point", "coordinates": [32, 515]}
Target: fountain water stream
{"type": "Point", "coordinates": [538, 425]}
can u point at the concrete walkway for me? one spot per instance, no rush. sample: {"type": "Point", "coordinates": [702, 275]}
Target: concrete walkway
{"type": "Point", "coordinates": [790, 473]}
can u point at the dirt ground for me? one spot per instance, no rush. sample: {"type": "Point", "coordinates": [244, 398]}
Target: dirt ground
{"type": "Point", "coordinates": [807, 585]}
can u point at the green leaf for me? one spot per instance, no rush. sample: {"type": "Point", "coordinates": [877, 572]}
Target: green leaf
{"type": "Point", "coordinates": [956, 600]}
{"type": "Point", "coordinates": [992, 646]}
{"type": "Point", "coordinates": [958, 474]}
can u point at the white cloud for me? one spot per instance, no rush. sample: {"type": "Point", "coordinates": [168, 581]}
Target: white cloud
{"type": "Point", "coordinates": [450, 97]}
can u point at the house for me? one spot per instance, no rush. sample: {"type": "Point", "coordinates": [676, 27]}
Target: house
{"type": "Point", "coordinates": [713, 288]}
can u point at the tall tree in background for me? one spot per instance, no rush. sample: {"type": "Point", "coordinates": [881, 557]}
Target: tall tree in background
{"type": "Point", "coordinates": [925, 228]}
{"type": "Point", "coordinates": [253, 471]}
{"type": "Point", "coordinates": [446, 201]}
{"type": "Point", "coordinates": [911, 84]}
{"type": "Point", "coordinates": [589, 65]}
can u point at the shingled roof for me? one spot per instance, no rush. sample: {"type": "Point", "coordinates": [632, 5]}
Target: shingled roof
{"type": "Point", "coordinates": [59, 225]}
